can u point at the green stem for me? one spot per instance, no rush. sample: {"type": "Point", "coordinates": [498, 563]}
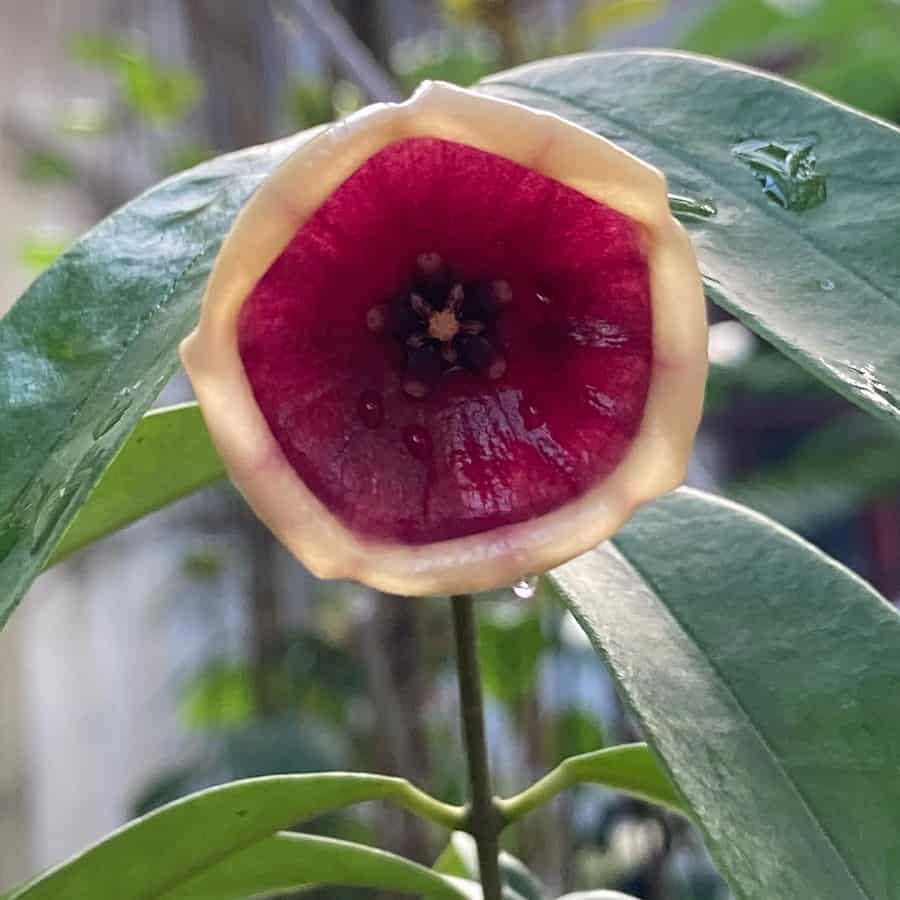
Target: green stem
{"type": "Point", "coordinates": [541, 792]}
{"type": "Point", "coordinates": [416, 801]}
{"type": "Point", "coordinates": [628, 768]}
{"type": "Point", "coordinates": [484, 824]}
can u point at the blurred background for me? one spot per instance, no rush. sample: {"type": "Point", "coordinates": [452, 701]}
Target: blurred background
{"type": "Point", "coordinates": [189, 649]}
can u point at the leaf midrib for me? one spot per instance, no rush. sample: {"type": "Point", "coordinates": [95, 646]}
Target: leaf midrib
{"type": "Point", "coordinates": [755, 729]}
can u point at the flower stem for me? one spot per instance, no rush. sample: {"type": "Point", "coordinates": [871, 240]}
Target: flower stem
{"type": "Point", "coordinates": [484, 822]}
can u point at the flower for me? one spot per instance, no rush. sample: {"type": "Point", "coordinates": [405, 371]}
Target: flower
{"type": "Point", "coordinates": [452, 342]}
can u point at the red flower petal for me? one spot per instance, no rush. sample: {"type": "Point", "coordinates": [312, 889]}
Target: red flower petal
{"type": "Point", "coordinates": [474, 454]}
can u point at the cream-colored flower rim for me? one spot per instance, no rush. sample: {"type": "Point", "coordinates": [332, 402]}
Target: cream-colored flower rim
{"type": "Point", "coordinates": [656, 460]}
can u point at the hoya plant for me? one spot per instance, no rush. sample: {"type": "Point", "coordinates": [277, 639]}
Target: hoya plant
{"type": "Point", "coordinates": [459, 343]}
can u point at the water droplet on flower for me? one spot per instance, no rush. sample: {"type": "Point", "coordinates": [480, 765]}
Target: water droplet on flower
{"type": "Point", "coordinates": [497, 368]}
{"type": "Point", "coordinates": [526, 588]}
{"type": "Point", "coordinates": [417, 441]}
{"type": "Point", "coordinates": [429, 263]}
{"type": "Point", "coordinates": [370, 409]}
{"type": "Point", "coordinates": [786, 170]}
{"type": "Point", "coordinates": [542, 298]}
{"type": "Point", "coordinates": [826, 284]}
{"type": "Point", "coordinates": [531, 417]}
{"type": "Point", "coordinates": [502, 291]}
{"type": "Point", "coordinates": [691, 208]}
{"type": "Point", "coordinates": [376, 318]}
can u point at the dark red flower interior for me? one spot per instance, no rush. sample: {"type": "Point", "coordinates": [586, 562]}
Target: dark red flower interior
{"type": "Point", "coordinates": [452, 343]}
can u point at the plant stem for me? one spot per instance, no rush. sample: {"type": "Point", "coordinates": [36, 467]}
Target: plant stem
{"type": "Point", "coordinates": [484, 822]}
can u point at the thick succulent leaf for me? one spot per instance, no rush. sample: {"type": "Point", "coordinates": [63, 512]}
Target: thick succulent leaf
{"type": "Point", "coordinates": [168, 456]}
{"type": "Point", "coordinates": [90, 344]}
{"type": "Point", "coordinates": [819, 279]}
{"type": "Point", "coordinates": [765, 675]}
{"type": "Point", "coordinates": [288, 862]}
{"type": "Point", "coordinates": [158, 853]}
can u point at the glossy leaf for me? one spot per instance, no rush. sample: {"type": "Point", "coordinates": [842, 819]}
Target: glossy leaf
{"type": "Point", "coordinates": [821, 282]}
{"type": "Point", "coordinates": [143, 859]}
{"type": "Point", "coordinates": [168, 456]}
{"type": "Point", "coordinates": [288, 862]}
{"type": "Point", "coordinates": [90, 344]}
{"type": "Point", "coordinates": [764, 674]}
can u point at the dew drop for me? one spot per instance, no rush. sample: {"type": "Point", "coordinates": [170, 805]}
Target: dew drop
{"type": "Point", "coordinates": [370, 409]}
{"type": "Point", "coordinates": [417, 441]}
{"type": "Point", "coordinates": [866, 381]}
{"type": "Point", "coordinates": [120, 405]}
{"type": "Point", "coordinates": [785, 169]}
{"type": "Point", "coordinates": [691, 208]}
{"type": "Point", "coordinates": [49, 514]}
{"type": "Point", "coordinates": [526, 588]}
{"type": "Point", "coordinates": [826, 284]}
{"type": "Point", "coordinates": [54, 499]}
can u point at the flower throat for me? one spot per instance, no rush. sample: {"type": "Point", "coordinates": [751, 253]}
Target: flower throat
{"type": "Point", "coordinates": [443, 323]}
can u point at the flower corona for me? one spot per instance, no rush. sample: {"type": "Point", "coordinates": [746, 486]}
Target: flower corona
{"type": "Point", "coordinates": [452, 342]}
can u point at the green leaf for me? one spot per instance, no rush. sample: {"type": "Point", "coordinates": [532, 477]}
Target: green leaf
{"type": "Point", "coordinates": [630, 768]}
{"type": "Point", "coordinates": [287, 862]}
{"type": "Point", "coordinates": [160, 852]}
{"type": "Point", "coordinates": [765, 675]}
{"type": "Point", "coordinates": [159, 93]}
{"type": "Point", "coordinates": [822, 282]}
{"type": "Point", "coordinates": [90, 344]}
{"type": "Point", "coordinates": [168, 456]}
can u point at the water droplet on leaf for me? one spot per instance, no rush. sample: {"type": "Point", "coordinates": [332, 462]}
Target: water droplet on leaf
{"type": "Point", "coordinates": [866, 381]}
{"type": "Point", "coordinates": [531, 417]}
{"type": "Point", "coordinates": [786, 170]}
{"type": "Point", "coordinates": [526, 588]}
{"type": "Point", "coordinates": [120, 405]}
{"type": "Point", "coordinates": [691, 208]}
{"type": "Point", "coordinates": [826, 284]}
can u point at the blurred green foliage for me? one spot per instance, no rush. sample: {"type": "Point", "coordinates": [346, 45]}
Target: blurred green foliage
{"type": "Point", "coordinates": [849, 49]}
{"type": "Point", "coordinates": [160, 94]}
{"type": "Point", "coordinates": [43, 167]}
{"type": "Point", "coordinates": [37, 251]}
